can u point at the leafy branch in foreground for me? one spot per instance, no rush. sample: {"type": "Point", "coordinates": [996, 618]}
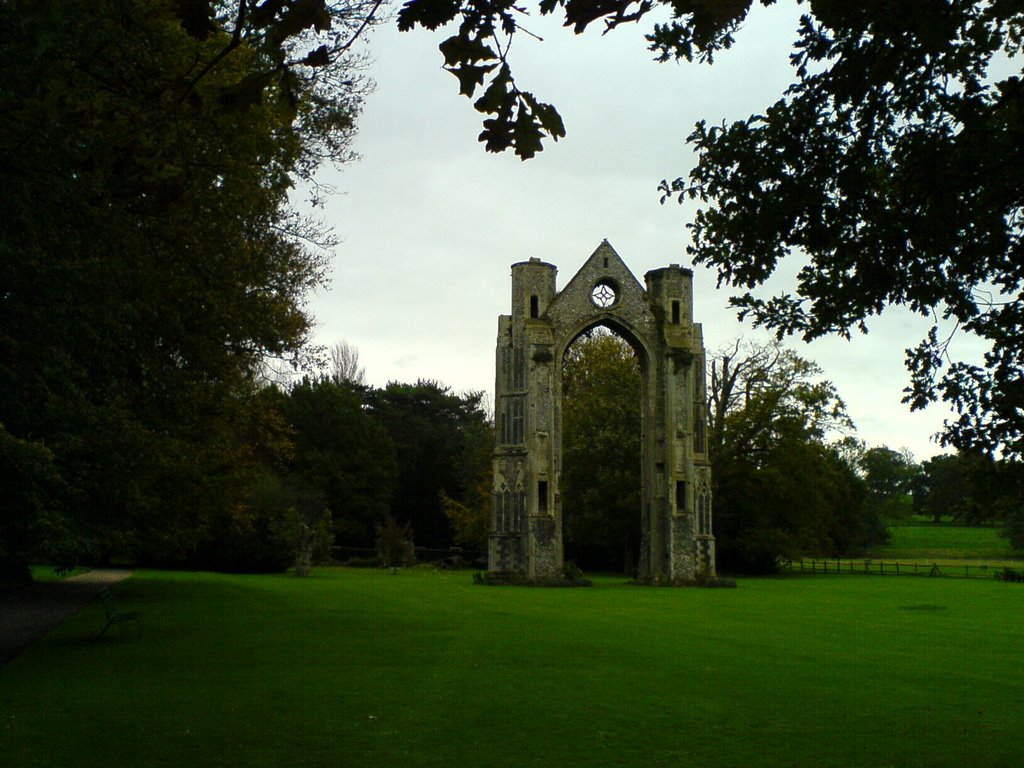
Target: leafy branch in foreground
{"type": "Point", "coordinates": [478, 52]}
{"type": "Point", "coordinates": [892, 171]}
{"type": "Point", "coordinates": [892, 167]}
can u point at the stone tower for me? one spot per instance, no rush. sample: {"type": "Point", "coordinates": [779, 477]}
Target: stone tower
{"type": "Point", "coordinates": [657, 320]}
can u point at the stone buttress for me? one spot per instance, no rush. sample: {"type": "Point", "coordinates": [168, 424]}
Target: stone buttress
{"type": "Point", "coordinates": [677, 545]}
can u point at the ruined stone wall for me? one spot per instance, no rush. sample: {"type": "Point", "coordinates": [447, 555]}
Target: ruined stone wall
{"type": "Point", "coordinates": [657, 320]}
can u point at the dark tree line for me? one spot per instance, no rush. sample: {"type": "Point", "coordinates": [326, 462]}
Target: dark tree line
{"type": "Point", "coordinates": [352, 460]}
{"type": "Point", "coordinates": [790, 477]}
{"type": "Point", "coordinates": [971, 489]}
{"type": "Point", "coordinates": [151, 265]}
{"type": "Point", "coordinates": [150, 261]}
{"type": "Point", "coordinates": [783, 484]}
{"type": "Point", "coordinates": [964, 488]}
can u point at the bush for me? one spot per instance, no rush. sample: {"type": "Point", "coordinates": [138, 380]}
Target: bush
{"type": "Point", "coordinates": [455, 563]}
{"type": "Point", "coordinates": [254, 537]}
{"type": "Point", "coordinates": [394, 543]}
{"type": "Point", "coordinates": [364, 562]}
{"type": "Point", "coordinates": [1008, 574]}
{"type": "Point", "coordinates": [572, 572]}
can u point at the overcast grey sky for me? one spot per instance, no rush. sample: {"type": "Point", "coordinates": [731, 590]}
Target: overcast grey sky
{"type": "Point", "coordinates": [431, 223]}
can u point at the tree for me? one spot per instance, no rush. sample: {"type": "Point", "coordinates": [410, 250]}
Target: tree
{"type": "Point", "coordinates": [890, 477]}
{"type": "Point", "coordinates": [1008, 501]}
{"type": "Point", "coordinates": [345, 367]}
{"type": "Point", "coordinates": [258, 534]}
{"type": "Point", "coordinates": [149, 258]}
{"type": "Point", "coordinates": [394, 544]}
{"type": "Point", "coordinates": [472, 525]}
{"type": "Point", "coordinates": [442, 443]}
{"type": "Point", "coordinates": [971, 489]}
{"type": "Point", "coordinates": [342, 454]}
{"type": "Point", "coordinates": [312, 532]}
{"type": "Point", "coordinates": [941, 490]}
{"type": "Point", "coordinates": [890, 170]}
{"type": "Point", "coordinates": [479, 51]}
{"type": "Point", "coordinates": [770, 386]}
{"type": "Point", "coordinates": [1015, 529]}
{"type": "Point", "coordinates": [601, 452]}
{"type": "Point", "coordinates": [470, 518]}
{"type": "Point", "coordinates": [780, 490]}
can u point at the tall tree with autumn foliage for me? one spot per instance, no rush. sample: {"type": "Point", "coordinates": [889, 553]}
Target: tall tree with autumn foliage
{"type": "Point", "coordinates": [781, 488]}
{"type": "Point", "coordinates": [149, 256]}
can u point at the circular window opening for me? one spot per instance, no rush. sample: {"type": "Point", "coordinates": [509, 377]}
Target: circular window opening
{"type": "Point", "coordinates": [604, 294]}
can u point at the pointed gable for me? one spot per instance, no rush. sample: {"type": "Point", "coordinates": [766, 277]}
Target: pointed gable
{"type": "Point", "coordinates": [677, 544]}
{"type": "Point", "coordinates": [603, 291]}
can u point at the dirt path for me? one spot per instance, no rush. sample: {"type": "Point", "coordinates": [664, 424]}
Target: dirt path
{"type": "Point", "coordinates": [29, 611]}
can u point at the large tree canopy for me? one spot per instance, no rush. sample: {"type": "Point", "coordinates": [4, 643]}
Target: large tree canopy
{"type": "Point", "coordinates": [343, 453]}
{"type": "Point", "coordinates": [891, 170]}
{"type": "Point", "coordinates": [442, 442]}
{"type": "Point", "coordinates": [781, 488]}
{"type": "Point", "coordinates": [771, 415]}
{"type": "Point", "coordinates": [601, 423]}
{"type": "Point", "coordinates": [890, 477]}
{"type": "Point", "coordinates": [150, 261]}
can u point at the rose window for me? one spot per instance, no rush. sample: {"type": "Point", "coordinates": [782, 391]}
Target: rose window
{"type": "Point", "coordinates": [603, 295]}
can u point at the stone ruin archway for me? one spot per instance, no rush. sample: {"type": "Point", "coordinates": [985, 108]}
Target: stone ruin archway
{"type": "Point", "coordinates": [625, 531]}
{"type": "Point", "coordinates": [676, 545]}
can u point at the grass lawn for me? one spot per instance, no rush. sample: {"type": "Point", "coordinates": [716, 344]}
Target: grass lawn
{"type": "Point", "coordinates": [362, 668]}
{"type": "Point", "coordinates": [44, 573]}
{"type": "Point", "coordinates": [926, 541]}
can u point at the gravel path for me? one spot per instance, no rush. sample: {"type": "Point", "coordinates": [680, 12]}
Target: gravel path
{"type": "Point", "coordinates": [29, 611]}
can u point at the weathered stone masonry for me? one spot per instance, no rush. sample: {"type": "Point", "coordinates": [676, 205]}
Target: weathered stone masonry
{"type": "Point", "coordinates": [526, 512]}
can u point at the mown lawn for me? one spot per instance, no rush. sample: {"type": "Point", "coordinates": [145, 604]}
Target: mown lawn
{"type": "Point", "coordinates": [45, 573]}
{"type": "Point", "coordinates": [355, 667]}
{"type": "Point", "coordinates": [945, 542]}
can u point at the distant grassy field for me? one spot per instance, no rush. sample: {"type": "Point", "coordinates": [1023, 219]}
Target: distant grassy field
{"type": "Point", "coordinates": [43, 573]}
{"type": "Point", "coordinates": [362, 668]}
{"type": "Point", "coordinates": [927, 541]}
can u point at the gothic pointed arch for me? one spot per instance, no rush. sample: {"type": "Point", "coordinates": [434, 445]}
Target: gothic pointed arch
{"type": "Point", "coordinates": [656, 318]}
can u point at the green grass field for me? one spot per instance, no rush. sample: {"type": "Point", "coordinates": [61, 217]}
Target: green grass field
{"type": "Point", "coordinates": [927, 541]}
{"type": "Point", "coordinates": [359, 667]}
{"type": "Point", "coordinates": [44, 573]}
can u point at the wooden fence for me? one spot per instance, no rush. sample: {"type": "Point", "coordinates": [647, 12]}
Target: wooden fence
{"type": "Point", "coordinates": [890, 568]}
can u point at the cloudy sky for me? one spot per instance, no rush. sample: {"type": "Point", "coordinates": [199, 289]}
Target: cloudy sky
{"type": "Point", "coordinates": [431, 223]}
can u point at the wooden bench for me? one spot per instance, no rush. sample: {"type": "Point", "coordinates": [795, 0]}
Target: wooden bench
{"type": "Point", "coordinates": [120, 618]}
